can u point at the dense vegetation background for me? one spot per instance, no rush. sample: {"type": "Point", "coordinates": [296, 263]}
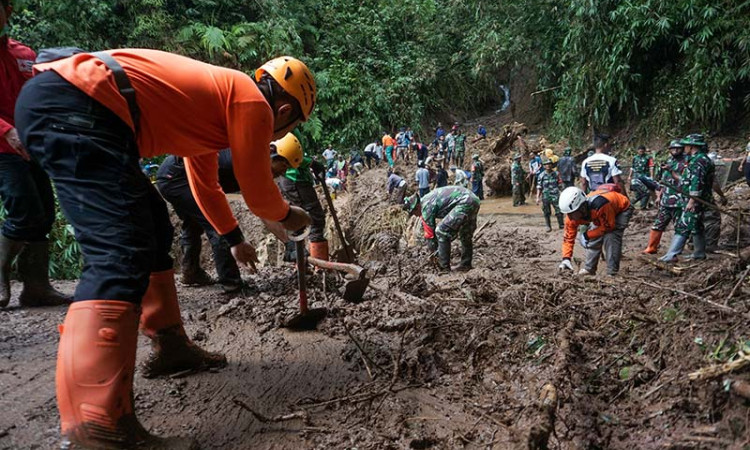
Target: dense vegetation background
{"type": "Point", "coordinates": [381, 64]}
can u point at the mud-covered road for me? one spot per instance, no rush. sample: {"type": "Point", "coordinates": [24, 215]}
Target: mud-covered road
{"type": "Point", "coordinates": [508, 355]}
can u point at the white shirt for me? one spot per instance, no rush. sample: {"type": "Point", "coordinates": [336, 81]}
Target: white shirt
{"type": "Point", "coordinates": [379, 151]}
{"type": "Point", "coordinates": [599, 169]}
{"type": "Point", "coordinates": [329, 154]}
{"type": "Point", "coordinates": [371, 147]}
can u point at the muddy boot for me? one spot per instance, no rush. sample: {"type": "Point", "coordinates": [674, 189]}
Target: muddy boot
{"type": "Point", "coordinates": [699, 247]}
{"type": "Point", "coordinates": [560, 221]}
{"type": "Point", "coordinates": [173, 351]}
{"type": "Point", "coordinates": [94, 379]}
{"type": "Point", "coordinates": [319, 250]}
{"type": "Point", "coordinates": [192, 272]}
{"type": "Point", "coordinates": [9, 249]}
{"type": "Point", "coordinates": [675, 248]}
{"type": "Point", "coordinates": [654, 239]}
{"type": "Point", "coordinates": [466, 257]}
{"type": "Point", "coordinates": [548, 221]}
{"type": "Point", "coordinates": [444, 256]}
{"type": "Point", "coordinates": [33, 267]}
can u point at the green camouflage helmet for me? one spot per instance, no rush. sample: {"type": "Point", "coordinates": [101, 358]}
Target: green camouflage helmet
{"type": "Point", "coordinates": [518, 155]}
{"type": "Point", "coordinates": [694, 140]}
{"type": "Point", "coordinates": [567, 151]}
{"type": "Point", "coordinates": [546, 161]}
{"type": "Point", "coordinates": [410, 203]}
{"type": "Point", "coordinates": [676, 144]}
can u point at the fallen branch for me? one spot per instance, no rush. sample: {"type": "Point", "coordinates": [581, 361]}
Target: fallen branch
{"type": "Point", "coordinates": [281, 418]}
{"type": "Point", "coordinates": [718, 370]}
{"type": "Point", "coordinates": [687, 294]}
{"type": "Point", "coordinates": [736, 286]}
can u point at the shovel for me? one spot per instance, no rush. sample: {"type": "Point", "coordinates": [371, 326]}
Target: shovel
{"type": "Point", "coordinates": [355, 287]}
{"type": "Point", "coordinates": [307, 319]}
{"type": "Point", "coordinates": [347, 248]}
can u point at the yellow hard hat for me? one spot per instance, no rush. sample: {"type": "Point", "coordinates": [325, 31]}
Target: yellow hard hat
{"type": "Point", "coordinates": [295, 78]}
{"type": "Point", "coordinates": [290, 149]}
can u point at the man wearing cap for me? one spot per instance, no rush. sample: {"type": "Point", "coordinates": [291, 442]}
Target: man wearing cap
{"type": "Point", "coordinates": [548, 188]}
{"type": "Point", "coordinates": [607, 214]}
{"type": "Point", "coordinates": [73, 117]}
{"type": "Point", "coordinates": [668, 199]}
{"type": "Point", "coordinates": [477, 176]}
{"type": "Point", "coordinates": [566, 167]}
{"type": "Point", "coordinates": [458, 208]}
{"type": "Point", "coordinates": [697, 182]}
{"type": "Point", "coordinates": [517, 176]}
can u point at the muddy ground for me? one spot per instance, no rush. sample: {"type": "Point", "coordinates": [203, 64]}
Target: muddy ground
{"type": "Point", "coordinates": [508, 355]}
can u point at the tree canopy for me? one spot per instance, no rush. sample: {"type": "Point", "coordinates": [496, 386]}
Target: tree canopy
{"type": "Point", "coordinates": [381, 64]}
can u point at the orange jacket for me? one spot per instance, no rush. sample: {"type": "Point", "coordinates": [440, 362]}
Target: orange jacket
{"type": "Point", "coordinates": [388, 141]}
{"type": "Point", "coordinates": [604, 207]}
{"type": "Point", "coordinates": [192, 109]}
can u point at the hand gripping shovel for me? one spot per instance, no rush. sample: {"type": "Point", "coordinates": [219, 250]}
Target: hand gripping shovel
{"type": "Point", "coordinates": [357, 280]}
{"type": "Point", "coordinates": [306, 319]}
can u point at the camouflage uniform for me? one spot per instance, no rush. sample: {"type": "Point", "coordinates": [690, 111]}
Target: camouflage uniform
{"type": "Point", "coordinates": [458, 208]}
{"type": "Point", "coordinates": [517, 176]}
{"type": "Point", "coordinates": [550, 185]}
{"type": "Point", "coordinates": [670, 206]}
{"type": "Point", "coordinates": [460, 149]}
{"type": "Point", "coordinates": [641, 164]}
{"type": "Point", "coordinates": [697, 180]}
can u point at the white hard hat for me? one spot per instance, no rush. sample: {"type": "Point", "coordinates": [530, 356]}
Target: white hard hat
{"type": "Point", "coordinates": [571, 199]}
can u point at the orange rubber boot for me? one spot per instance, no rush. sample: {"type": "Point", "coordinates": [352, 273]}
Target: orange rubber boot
{"type": "Point", "coordinates": [173, 351]}
{"type": "Point", "coordinates": [319, 250]}
{"type": "Point", "coordinates": [653, 242]}
{"type": "Point", "coordinates": [94, 378]}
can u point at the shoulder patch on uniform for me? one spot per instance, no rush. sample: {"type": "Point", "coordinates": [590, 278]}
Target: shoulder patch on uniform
{"type": "Point", "coordinates": [598, 201]}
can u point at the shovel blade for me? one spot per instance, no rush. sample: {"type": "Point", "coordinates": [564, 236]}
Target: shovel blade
{"type": "Point", "coordinates": [306, 321]}
{"type": "Point", "coordinates": [354, 290]}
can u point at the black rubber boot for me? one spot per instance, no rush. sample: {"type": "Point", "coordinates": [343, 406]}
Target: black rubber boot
{"type": "Point", "coordinates": [560, 221]}
{"type": "Point", "coordinates": [192, 272]}
{"type": "Point", "coordinates": [33, 269]}
{"type": "Point", "coordinates": [444, 255]}
{"type": "Point", "coordinates": [9, 249]}
{"type": "Point", "coordinates": [467, 252]}
{"type": "Point", "coordinates": [548, 222]}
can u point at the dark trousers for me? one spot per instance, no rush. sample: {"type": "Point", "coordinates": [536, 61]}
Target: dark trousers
{"type": "Point", "coordinates": [423, 191]}
{"type": "Point", "coordinates": [28, 199]}
{"type": "Point", "coordinates": [304, 196]}
{"type": "Point", "coordinates": [120, 220]}
{"type": "Point", "coordinates": [369, 156]}
{"type": "Point", "coordinates": [477, 188]}
{"type": "Point", "coordinates": [194, 224]}
{"type": "Point", "coordinates": [747, 172]}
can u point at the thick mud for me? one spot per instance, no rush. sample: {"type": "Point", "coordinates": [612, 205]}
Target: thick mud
{"type": "Point", "coordinates": [509, 355]}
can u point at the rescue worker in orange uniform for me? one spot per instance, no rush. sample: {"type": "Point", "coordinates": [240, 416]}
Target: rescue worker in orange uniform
{"type": "Point", "coordinates": [76, 122]}
{"type": "Point", "coordinates": [607, 213]}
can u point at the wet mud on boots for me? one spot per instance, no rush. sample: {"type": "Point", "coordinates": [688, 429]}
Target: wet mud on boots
{"type": "Point", "coordinates": [444, 255]}
{"type": "Point", "coordinates": [172, 351]}
{"type": "Point", "coordinates": [94, 380]}
{"type": "Point", "coordinates": [654, 239]}
{"type": "Point", "coordinates": [33, 269]}
{"type": "Point", "coordinates": [675, 248]}
{"type": "Point", "coordinates": [9, 249]}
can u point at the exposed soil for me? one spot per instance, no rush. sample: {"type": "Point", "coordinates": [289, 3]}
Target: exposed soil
{"type": "Point", "coordinates": [508, 355]}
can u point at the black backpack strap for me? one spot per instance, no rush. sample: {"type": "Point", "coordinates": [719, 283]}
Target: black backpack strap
{"type": "Point", "coordinates": [123, 84]}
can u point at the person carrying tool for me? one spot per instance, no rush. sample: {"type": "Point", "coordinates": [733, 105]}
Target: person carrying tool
{"type": "Point", "coordinates": [79, 118]}
{"type": "Point", "coordinates": [566, 167]}
{"type": "Point", "coordinates": [548, 188]}
{"type": "Point", "coordinates": [643, 165]}
{"type": "Point", "coordinates": [298, 187]}
{"type": "Point", "coordinates": [607, 213]}
{"type": "Point", "coordinates": [25, 189]}
{"type": "Point", "coordinates": [458, 208]}
{"type": "Point", "coordinates": [517, 177]}
{"type": "Point", "coordinates": [696, 184]}
{"type": "Point", "coordinates": [172, 183]}
{"type": "Point", "coordinates": [477, 176]}
{"type": "Point", "coordinates": [396, 187]}
{"type": "Point", "coordinates": [668, 199]}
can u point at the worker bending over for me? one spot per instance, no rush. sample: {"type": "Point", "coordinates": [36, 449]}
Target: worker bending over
{"type": "Point", "coordinates": [77, 123]}
{"type": "Point", "coordinates": [607, 213]}
{"type": "Point", "coordinates": [458, 207]}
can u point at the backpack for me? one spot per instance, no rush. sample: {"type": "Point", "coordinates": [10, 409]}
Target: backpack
{"type": "Point", "coordinates": [121, 78]}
